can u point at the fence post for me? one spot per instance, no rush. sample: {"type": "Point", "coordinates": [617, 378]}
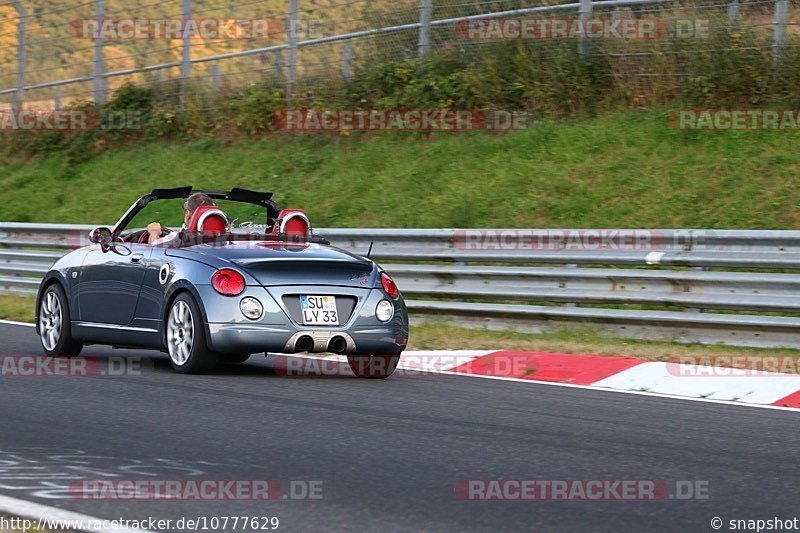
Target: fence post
{"type": "Point", "coordinates": [278, 64]}
{"type": "Point", "coordinates": [186, 55]}
{"type": "Point", "coordinates": [425, 13]}
{"type": "Point", "coordinates": [216, 79]}
{"type": "Point", "coordinates": [347, 60]}
{"type": "Point", "coordinates": [19, 96]}
{"type": "Point", "coordinates": [98, 81]}
{"type": "Point", "coordinates": [584, 13]}
{"type": "Point", "coordinates": [291, 76]}
{"type": "Point", "coordinates": [57, 99]}
{"type": "Point", "coordinates": [733, 10]}
{"type": "Point", "coordinates": [781, 10]}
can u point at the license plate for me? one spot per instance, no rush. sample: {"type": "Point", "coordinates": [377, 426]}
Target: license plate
{"type": "Point", "coordinates": [319, 310]}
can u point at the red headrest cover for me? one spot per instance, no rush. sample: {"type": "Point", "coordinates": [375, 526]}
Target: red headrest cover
{"type": "Point", "coordinates": [294, 223]}
{"type": "Point", "coordinates": [208, 219]}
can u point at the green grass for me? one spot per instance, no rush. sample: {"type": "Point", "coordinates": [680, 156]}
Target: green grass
{"type": "Point", "coordinates": [622, 170]}
{"type": "Point", "coordinates": [19, 308]}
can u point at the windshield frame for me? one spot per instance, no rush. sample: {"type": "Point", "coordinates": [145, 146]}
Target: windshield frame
{"type": "Point", "coordinates": [234, 195]}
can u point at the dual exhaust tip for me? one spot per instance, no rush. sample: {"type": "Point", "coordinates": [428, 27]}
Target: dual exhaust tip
{"type": "Point", "coordinates": [306, 344]}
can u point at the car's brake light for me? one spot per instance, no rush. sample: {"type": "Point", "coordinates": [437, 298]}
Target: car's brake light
{"type": "Point", "coordinates": [389, 285]}
{"type": "Point", "coordinates": [228, 282]}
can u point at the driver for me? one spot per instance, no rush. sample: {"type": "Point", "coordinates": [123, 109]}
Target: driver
{"type": "Point", "coordinates": [191, 204]}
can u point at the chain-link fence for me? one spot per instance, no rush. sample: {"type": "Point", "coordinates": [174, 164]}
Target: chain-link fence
{"type": "Point", "coordinates": [53, 54]}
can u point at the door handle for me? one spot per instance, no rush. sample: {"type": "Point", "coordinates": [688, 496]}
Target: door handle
{"type": "Point", "coordinates": [136, 258]}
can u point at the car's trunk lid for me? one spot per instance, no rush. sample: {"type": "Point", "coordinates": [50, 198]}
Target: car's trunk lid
{"type": "Point", "coordinates": [309, 272]}
{"type": "Point", "coordinates": [273, 264]}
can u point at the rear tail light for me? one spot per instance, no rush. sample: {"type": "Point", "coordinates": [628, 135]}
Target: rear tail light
{"type": "Point", "coordinates": [228, 282]}
{"type": "Point", "coordinates": [389, 285]}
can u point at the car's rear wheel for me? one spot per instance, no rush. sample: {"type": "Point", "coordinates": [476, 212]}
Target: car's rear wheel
{"type": "Point", "coordinates": [234, 358]}
{"type": "Point", "coordinates": [373, 366]}
{"type": "Point", "coordinates": [186, 338]}
{"type": "Point", "coordinates": [55, 331]}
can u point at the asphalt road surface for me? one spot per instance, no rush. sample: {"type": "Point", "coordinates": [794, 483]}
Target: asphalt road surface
{"type": "Point", "coordinates": [387, 454]}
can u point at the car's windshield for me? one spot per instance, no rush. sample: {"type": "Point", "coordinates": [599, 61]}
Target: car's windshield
{"type": "Point", "coordinates": [243, 217]}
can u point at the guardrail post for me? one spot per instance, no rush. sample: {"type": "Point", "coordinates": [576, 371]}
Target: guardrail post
{"type": "Point", "coordinates": [425, 13]}
{"type": "Point", "coordinates": [695, 309]}
{"type": "Point", "coordinates": [781, 10]}
{"type": "Point", "coordinates": [57, 99]}
{"type": "Point", "coordinates": [584, 14]}
{"type": "Point", "coordinates": [291, 76]}
{"type": "Point", "coordinates": [733, 10]}
{"type": "Point", "coordinates": [19, 97]}
{"type": "Point", "coordinates": [186, 56]}
{"type": "Point", "coordinates": [347, 61]}
{"type": "Point", "coordinates": [564, 286]}
{"type": "Point", "coordinates": [99, 81]}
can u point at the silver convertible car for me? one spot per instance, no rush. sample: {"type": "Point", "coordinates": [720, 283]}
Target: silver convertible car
{"type": "Point", "coordinates": [239, 277]}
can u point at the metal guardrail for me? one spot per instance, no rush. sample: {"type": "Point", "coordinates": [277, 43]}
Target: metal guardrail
{"type": "Point", "coordinates": [694, 286]}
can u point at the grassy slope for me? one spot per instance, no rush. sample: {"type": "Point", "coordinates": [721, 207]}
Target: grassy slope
{"type": "Point", "coordinates": [623, 170]}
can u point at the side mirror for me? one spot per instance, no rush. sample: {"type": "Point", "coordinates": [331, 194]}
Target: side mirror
{"type": "Point", "coordinates": [100, 235]}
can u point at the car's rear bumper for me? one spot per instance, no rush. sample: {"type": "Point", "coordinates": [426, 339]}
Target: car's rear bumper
{"type": "Point", "coordinates": [251, 338]}
{"type": "Point", "coordinates": [278, 330]}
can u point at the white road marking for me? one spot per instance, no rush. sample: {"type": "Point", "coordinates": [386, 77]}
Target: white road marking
{"type": "Point", "coordinates": [621, 391]}
{"type": "Point", "coordinates": [13, 323]}
{"type": "Point", "coordinates": [41, 514]}
{"type": "Point", "coordinates": [664, 378]}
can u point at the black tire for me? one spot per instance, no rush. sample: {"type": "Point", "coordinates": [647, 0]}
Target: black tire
{"type": "Point", "coordinates": [373, 366]}
{"type": "Point", "coordinates": [54, 326]}
{"type": "Point", "coordinates": [234, 358]}
{"type": "Point", "coordinates": [185, 337]}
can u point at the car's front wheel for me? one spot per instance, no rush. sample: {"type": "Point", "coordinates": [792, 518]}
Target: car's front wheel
{"type": "Point", "coordinates": [186, 338]}
{"type": "Point", "coordinates": [373, 366]}
{"type": "Point", "coordinates": [55, 330]}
